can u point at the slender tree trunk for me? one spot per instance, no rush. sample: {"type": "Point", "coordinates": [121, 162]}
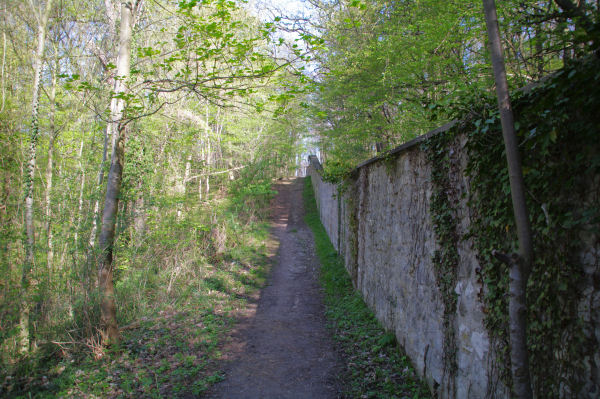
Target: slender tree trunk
{"type": "Point", "coordinates": [110, 329]}
{"type": "Point", "coordinates": [80, 202]}
{"type": "Point", "coordinates": [50, 170]}
{"type": "Point", "coordinates": [201, 144]}
{"type": "Point", "coordinates": [180, 190]}
{"type": "Point", "coordinates": [29, 178]}
{"type": "Point", "coordinates": [139, 215]}
{"type": "Point", "coordinates": [96, 214]}
{"type": "Point", "coordinates": [68, 285]}
{"type": "Point", "coordinates": [111, 14]}
{"type": "Point", "coordinates": [106, 240]}
{"type": "Point", "coordinates": [49, 177]}
{"type": "Point", "coordinates": [520, 265]}
{"type": "Point", "coordinates": [3, 67]}
{"type": "Point", "coordinates": [200, 179]}
{"type": "Point", "coordinates": [188, 172]}
{"type": "Point", "coordinates": [207, 131]}
{"type": "Point", "coordinates": [208, 163]}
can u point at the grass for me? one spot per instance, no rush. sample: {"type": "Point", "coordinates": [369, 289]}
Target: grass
{"type": "Point", "coordinates": [178, 299]}
{"type": "Point", "coordinates": [375, 364]}
{"type": "Point", "coordinates": [177, 309]}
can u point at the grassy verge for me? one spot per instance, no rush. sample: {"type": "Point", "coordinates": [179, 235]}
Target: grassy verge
{"type": "Point", "coordinates": [375, 364]}
{"type": "Point", "coordinates": [177, 299]}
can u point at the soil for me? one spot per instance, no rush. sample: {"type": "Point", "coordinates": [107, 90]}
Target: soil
{"type": "Point", "coordinates": [281, 347]}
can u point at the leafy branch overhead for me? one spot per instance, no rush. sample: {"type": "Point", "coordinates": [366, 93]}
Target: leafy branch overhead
{"type": "Point", "coordinates": [139, 140]}
{"type": "Point", "coordinates": [146, 163]}
{"type": "Point", "coordinates": [390, 71]}
{"type": "Point", "coordinates": [214, 50]}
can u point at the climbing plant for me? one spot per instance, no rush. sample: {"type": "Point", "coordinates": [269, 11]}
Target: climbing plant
{"type": "Point", "coordinates": [558, 138]}
{"type": "Point", "coordinates": [558, 132]}
{"type": "Point", "coordinates": [445, 258]}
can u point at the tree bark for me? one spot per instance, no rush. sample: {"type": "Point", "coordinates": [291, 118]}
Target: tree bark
{"type": "Point", "coordinates": [96, 214]}
{"type": "Point", "coordinates": [3, 67]}
{"type": "Point", "coordinates": [111, 14]}
{"type": "Point", "coordinates": [50, 167]}
{"type": "Point", "coordinates": [188, 172]}
{"type": "Point", "coordinates": [29, 178]}
{"type": "Point", "coordinates": [110, 331]}
{"type": "Point", "coordinates": [80, 200]}
{"type": "Point", "coordinates": [139, 215]}
{"type": "Point", "coordinates": [520, 265]}
{"type": "Point", "coordinates": [207, 131]}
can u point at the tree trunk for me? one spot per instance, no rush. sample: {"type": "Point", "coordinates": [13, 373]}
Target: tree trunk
{"type": "Point", "coordinates": [200, 182]}
{"type": "Point", "coordinates": [208, 160]}
{"type": "Point", "coordinates": [80, 201]}
{"type": "Point", "coordinates": [106, 240]}
{"type": "Point", "coordinates": [139, 215]}
{"type": "Point", "coordinates": [110, 331]}
{"type": "Point", "coordinates": [520, 265]}
{"type": "Point", "coordinates": [3, 67]}
{"type": "Point", "coordinates": [187, 174]}
{"type": "Point", "coordinates": [50, 170]}
{"type": "Point", "coordinates": [96, 214]}
{"type": "Point", "coordinates": [111, 14]}
{"type": "Point", "coordinates": [28, 181]}
{"type": "Point", "coordinates": [207, 130]}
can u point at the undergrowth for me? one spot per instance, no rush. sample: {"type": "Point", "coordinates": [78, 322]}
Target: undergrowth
{"type": "Point", "coordinates": [177, 294]}
{"type": "Point", "coordinates": [375, 364]}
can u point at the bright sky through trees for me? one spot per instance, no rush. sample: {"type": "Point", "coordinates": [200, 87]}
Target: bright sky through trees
{"type": "Point", "coordinates": [210, 101]}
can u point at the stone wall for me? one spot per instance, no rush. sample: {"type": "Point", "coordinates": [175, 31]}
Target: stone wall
{"type": "Point", "coordinates": [379, 221]}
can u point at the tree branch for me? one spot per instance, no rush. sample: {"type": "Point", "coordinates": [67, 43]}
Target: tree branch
{"type": "Point", "coordinates": [213, 173]}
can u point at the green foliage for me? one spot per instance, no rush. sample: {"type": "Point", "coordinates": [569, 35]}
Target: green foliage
{"type": "Point", "coordinates": [334, 171]}
{"type": "Point", "coordinates": [196, 178]}
{"type": "Point", "coordinates": [559, 145]}
{"type": "Point", "coordinates": [446, 258]}
{"type": "Point", "coordinates": [376, 367]}
{"type": "Point", "coordinates": [252, 191]}
{"type": "Point", "coordinates": [391, 71]}
{"type": "Point", "coordinates": [176, 298]}
{"type": "Point", "coordinates": [384, 79]}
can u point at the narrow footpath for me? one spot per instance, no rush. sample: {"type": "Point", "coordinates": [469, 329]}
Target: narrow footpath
{"type": "Point", "coordinates": [282, 348]}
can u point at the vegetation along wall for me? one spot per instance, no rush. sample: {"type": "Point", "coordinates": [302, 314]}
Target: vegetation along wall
{"type": "Point", "coordinates": [416, 228]}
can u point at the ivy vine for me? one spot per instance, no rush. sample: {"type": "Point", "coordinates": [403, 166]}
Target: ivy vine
{"type": "Point", "coordinates": [558, 126]}
{"type": "Point", "coordinates": [352, 209]}
{"type": "Point", "coordinates": [445, 258]}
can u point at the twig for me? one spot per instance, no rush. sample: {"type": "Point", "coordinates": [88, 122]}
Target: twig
{"type": "Point", "coordinates": [213, 173]}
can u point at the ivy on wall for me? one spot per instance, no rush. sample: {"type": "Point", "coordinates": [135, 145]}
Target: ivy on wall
{"type": "Point", "coordinates": [558, 126]}
{"type": "Point", "coordinates": [445, 258]}
{"type": "Point", "coordinates": [352, 212]}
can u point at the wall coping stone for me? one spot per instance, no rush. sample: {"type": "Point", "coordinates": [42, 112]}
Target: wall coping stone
{"type": "Point", "coordinates": [314, 161]}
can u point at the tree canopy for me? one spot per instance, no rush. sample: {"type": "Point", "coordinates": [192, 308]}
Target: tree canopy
{"type": "Point", "coordinates": [139, 138]}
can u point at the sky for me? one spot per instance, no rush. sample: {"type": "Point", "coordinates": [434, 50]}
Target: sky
{"type": "Point", "coordinates": [268, 9]}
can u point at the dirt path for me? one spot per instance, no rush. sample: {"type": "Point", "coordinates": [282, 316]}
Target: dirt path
{"type": "Point", "coordinates": [282, 348]}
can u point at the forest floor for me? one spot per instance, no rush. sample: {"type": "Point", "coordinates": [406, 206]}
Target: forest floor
{"type": "Point", "coordinates": [281, 348]}
{"type": "Point", "coordinates": [274, 317]}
